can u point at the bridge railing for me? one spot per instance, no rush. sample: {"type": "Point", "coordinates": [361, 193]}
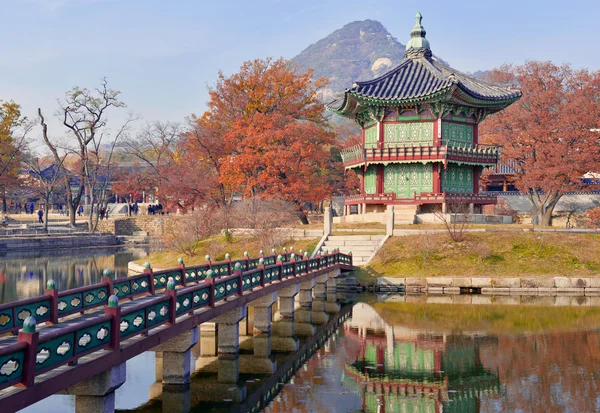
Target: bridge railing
{"type": "Point", "coordinates": [35, 352]}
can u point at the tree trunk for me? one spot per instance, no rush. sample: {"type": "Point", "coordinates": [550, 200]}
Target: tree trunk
{"type": "Point", "coordinates": [46, 215]}
{"type": "Point", "coordinates": [72, 213]}
{"type": "Point", "coordinates": [4, 201]}
{"type": "Point", "coordinates": [546, 217]}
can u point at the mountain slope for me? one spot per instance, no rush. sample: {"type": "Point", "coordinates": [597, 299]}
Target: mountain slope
{"type": "Point", "coordinates": [361, 50]}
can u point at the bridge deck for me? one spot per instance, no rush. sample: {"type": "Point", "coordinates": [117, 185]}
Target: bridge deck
{"type": "Point", "coordinates": [86, 342]}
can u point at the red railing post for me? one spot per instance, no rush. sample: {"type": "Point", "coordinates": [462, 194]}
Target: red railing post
{"type": "Point", "coordinates": [307, 263]}
{"type": "Point", "coordinates": [31, 337]}
{"type": "Point", "coordinates": [238, 271]}
{"type": "Point", "coordinates": [247, 260]}
{"type": "Point", "coordinates": [293, 260]}
{"type": "Point", "coordinates": [114, 310]}
{"type": "Point", "coordinates": [261, 267]}
{"type": "Point", "coordinates": [207, 261]}
{"type": "Point", "coordinates": [228, 261]}
{"type": "Point", "coordinates": [172, 294]}
{"type": "Point", "coordinates": [108, 280]}
{"type": "Point", "coordinates": [279, 262]}
{"type": "Point", "coordinates": [52, 292]}
{"type": "Point", "coordinates": [211, 288]}
{"type": "Point", "coordinates": [181, 266]}
{"type": "Point", "coordinates": [148, 271]}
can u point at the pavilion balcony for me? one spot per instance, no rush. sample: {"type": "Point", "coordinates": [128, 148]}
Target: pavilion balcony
{"type": "Point", "coordinates": [473, 154]}
{"type": "Point", "coordinates": [422, 198]}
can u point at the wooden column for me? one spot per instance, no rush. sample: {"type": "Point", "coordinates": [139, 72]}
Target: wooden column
{"type": "Point", "coordinates": [476, 172]}
{"type": "Point", "coordinates": [437, 178]}
{"type": "Point", "coordinates": [437, 132]}
{"type": "Point", "coordinates": [475, 134]}
{"type": "Point", "coordinates": [379, 189]}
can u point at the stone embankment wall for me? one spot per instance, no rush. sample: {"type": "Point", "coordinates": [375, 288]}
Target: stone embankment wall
{"type": "Point", "coordinates": [8, 245]}
{"type": "Point", "coordinates": [153, 225]}
{"type": "Point", "coordinates": [550, 286]}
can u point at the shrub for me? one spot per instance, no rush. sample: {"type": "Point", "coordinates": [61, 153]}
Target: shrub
{"type": "Point", "coordinates": [593, 217]}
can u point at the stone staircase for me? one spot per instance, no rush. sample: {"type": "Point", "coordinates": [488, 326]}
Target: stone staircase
{"type": "Point", "coordinates": [405, 214]}
{"type": "Point", "coordinates": [361, 246]}
{"type": "Point", "coordinates": [138, 237]}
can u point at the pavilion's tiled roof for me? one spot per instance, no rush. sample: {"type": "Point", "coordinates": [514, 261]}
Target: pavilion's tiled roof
{"type": "Point", "coordinates": [422, 78]}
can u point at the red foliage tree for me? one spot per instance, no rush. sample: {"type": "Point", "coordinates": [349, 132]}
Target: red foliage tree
{"type": "Point", "coordinates": [548, 132]}
{"type": "Point", "coordinates": [264, 134]}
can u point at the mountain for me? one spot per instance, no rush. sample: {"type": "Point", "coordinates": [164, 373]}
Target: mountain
{"type": "Point", "coordinates": [361, 50]}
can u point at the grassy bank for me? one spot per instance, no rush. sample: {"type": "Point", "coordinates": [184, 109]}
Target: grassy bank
{"type": "Point", "coordinates": [218, 246]}
{"type": "Point", "coordinates": [498, 254]}
{"type": "Point", "coordinates": [489, 318]}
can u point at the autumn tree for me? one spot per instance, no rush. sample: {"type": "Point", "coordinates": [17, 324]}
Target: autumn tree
{"type": "Point", "coordinates": [548, 133]}
{"type": "Point", "coordinates": [13, 132]}
{"type": "Point", "coordinates": [241, 135]}
{"type": "Point", "coordinates": [84, 114]}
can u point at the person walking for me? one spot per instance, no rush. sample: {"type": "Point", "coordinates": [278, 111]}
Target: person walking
{"type": "Point", "coordinates": [32, 209]}
{"type": "Point", "coordinates": [41, 216]}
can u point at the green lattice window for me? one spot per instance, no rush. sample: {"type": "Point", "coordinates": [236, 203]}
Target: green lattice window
{"type": "Point", "coordinates": [408, 134]}
{"type": "Point", "coordinates": [371, 137]}
{"type": "Point", "coordinates": [457, 178]}
{"type": "Point", "coordinates": [371, 180]}
{"type": "Point", "coordinates": [407, 178]}
{"type": "Point", "coordinates": [455, 134]}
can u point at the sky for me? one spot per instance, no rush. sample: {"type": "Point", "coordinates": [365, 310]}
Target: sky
{"type": "Point", "coordinates": [162, 54]}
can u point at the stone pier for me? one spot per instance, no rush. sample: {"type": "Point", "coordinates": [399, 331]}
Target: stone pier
{"type": "Point", "coordinates": [173, 358]}
{"type": "Point", "coordinates": [229, 330]}
{"type": "Point", "coordinates": [97, 394]}
{"type": "Point", "coordinates": [263, 313]}
{"type": "Point", "coordinates": [320, 290]}
{"type": "Point", "coordinates": [287, 299]}
{"type": "Point", "coordinates": [306, 293]}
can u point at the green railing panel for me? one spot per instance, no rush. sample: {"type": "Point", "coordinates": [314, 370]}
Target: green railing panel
{"type": "Point", "coordinates": [242, 263]}
{"type": "Point", "coordinates": [132, 323]}
{"type": "Point", "coordinates": [55, 351]}
{"type": "Point", "coordinates": [157, 313]}
{"type": "Point", "coordinates": [95, 296]}
{"type": "Point", "coordinates": [122, 288]}
{"type": "Point", "coordinates": [69, 303]}
{"type": "Point", "coordinates": [255, 279]}
{"type": "Point", "coordinates": [220, 290]}
{"type": "Point", "coordinates": [190, 275]}
{"type": "Point", "coordinates": [184, 303]}
{"type": "Point", "coordinates": [11, 366]}
{"type": "Point", "coordinates": [92, 337]}
{"type": "Point", "coordinates": [140, 285]}
{"type": "Point", "coordinates": [160, 281]}
{"type": "Point", "coordinates": [201, 297]}
{"type": "Point", "coordinates": [270, 260]}
{"type": "Point", "coordinates": [40, 311]}
{"type": "Point", "coordinates": [231, 287]}
{"type": "Point", "coordinates": [246, 282]}
{"type": "Point", "coordinates": [253, 263]}
{"type": "Point", "coordinates": [176, 275]}
{"type": "Point", "coordinates": [220, 269]}
{"type": "Point", "coordinates": [288, 269]}
{"type": "Point", "coordinates": [6, 319]}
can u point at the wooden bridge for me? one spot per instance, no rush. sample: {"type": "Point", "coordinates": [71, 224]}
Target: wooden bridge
{"type": "Point", "coordinates": [77, 341]}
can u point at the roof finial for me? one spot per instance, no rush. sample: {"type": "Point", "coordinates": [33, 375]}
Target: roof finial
{"type": "Point", "coordinates": [418, 45]}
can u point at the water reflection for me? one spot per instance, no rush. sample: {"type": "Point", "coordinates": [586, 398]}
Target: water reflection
{"type": "Point", "coordinates": [26, 277]}
{"type": "Point", "coordinates": [384, 357]}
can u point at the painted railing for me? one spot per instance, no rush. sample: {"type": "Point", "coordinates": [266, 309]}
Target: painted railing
{"type": "Point", "coordinates": [424, 198]}
{"type": "Point", "coordinates": [480, 154]}
{"type": "Point", "coordinates": [35, 352]}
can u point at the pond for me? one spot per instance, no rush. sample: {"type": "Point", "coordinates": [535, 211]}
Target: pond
{"type": "Point", "coordinates": [26, 275]}
{"type": "Point", "coordinates": [388, 354]}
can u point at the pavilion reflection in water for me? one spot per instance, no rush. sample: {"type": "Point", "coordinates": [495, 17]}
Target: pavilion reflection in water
{"type": "Point", "coordinates": [400, 370]}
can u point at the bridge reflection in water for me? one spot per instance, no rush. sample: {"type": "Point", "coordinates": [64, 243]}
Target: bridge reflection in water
{"type": "Point", "coordinates": [332, 354]}
{"type": "Point", "coordinates": [265, 363]}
